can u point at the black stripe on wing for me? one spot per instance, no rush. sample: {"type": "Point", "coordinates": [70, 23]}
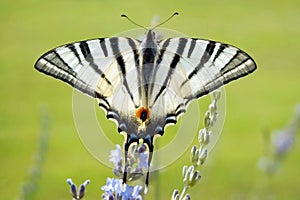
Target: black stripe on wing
{"type": "Point", "coordinates": [237, 60]}
{"type": "Point", "coordinates": [172, 118]}
{"type": "Point", "coordinates": [114, 42]}
{"type": "Point", "coordinates": [86, 52]}
{"type": "Point", "coordinates": [192, 47]}
{"type": "Point", "coordinates": [176, 58]}
{"type": "Point", "coordinates": [240, 65]}
{"type": "Point", "coordinates": [74, 51]}
{"type": "Point", "coordinates": [67, 67]}
{"type": "Point", "coordinates": [61, 62]}
{"type": "Point", "coordinates": [103, 46]}
{"type": "Point", "coordinates": [136, 56]}
{"type": "Point", "coordinates": [219, 51]}
{"type": "Point", "coordinates": [158, 61]}
{"type": "Point", "coordinates": [105, 105]}
{"type": "Point", "coordinates": [49, 66]}
{"type": "Point", "coordinates": [205, 57]}
{"type": "Point", "coordinates": [230, 63]}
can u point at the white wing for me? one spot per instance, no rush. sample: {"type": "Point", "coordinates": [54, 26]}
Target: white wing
{"type": "Point", "coordinates": [191, 68]}
{"type": "Point", "coordinates": [97, 68]}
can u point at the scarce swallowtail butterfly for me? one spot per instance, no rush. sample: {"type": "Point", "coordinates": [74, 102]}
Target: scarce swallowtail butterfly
{"type": "Point", "coordinates": [145, 85]}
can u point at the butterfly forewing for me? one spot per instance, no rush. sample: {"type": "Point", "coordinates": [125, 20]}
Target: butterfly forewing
{"type": "Point", "coordinates": [95, 67]}
{"type": "Point", "coordinates": [208, 65]}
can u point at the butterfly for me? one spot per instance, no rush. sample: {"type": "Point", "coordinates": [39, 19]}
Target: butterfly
{"type": "Point", "coordinates": [145, 85]}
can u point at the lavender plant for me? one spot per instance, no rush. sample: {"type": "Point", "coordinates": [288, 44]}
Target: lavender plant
{"type": "Point", "coordinates": [137, 163]}
{"type": "Point", "coordinates": [191, 174]}
{"type": "Point", "coordinates": [30, 186]}
{"type": "Point", "coordinates": [114, 188]}
{"type": "Point", "coordinates": [278, 144]}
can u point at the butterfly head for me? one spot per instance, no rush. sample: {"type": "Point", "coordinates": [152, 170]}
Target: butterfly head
{"type": "Point", "coordinates": [149, 41]}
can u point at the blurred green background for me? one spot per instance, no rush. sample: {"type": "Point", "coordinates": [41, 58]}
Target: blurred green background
{"type": "Point", "coordinates": [268, 30]}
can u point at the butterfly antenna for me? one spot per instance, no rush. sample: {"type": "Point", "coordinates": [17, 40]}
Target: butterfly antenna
{"type": "Point", "coordinates": [123, 15]}
{"type": "Point", "coordinates": [174, 14]}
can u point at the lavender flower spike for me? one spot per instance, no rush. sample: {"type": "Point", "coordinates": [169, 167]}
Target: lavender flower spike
{"type": "Point", "coordinates": [77, 194]}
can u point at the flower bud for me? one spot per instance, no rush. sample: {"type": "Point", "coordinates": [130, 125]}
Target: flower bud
{"type": "Point", "coordinates": [194, 178]}
{"type": "Point", "coordinates": [214, 118]}
{"type": "Point", "coordinates": [207, 120]}
{"type": "Point", "coordinates": [217, 95]}
{"type": "Point", "coordinates": [142, 148]}
{"type": "Point", "coordinates": [203, 156]}
{"type": "Point", "coordinates": [187, 197]}
{"type": "Point", "coordinates": [184, 170]}
{"type": "Point", "coordinates": [213, 106]}
{"type": "Point", "coordinates": [175, 195]}
{"type": "Point", "coordinates": [201, 135]}
{"type": "Point", "coordinates": [73, 188]}
{"type": "Point", "coordinates": [188, 173]}
{"type": "Point", "coordinates": [206, 137]}
{"type": "Point", "coordinates": [194, 154]}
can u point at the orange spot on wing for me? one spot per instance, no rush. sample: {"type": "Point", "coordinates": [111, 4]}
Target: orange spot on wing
{"type": "Point", "coordinates": [143, 113]}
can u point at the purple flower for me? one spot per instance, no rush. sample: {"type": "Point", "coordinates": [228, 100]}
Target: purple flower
{"type": "Point", "coordinates": [116, 156]}
{"type": "Point", "coordinates": [143, 160]}
{"type": "Point", "coordinates": [283, 140]}
{"type": "Point", "coordinates": [109, 187]}
{"type": "Point", "coordinates": [115, 190]}
{"type": "Point", "coordinates": [137, 161]}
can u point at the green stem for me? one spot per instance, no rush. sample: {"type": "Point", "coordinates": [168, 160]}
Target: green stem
{"type": "Point", "coordinates": [184, 190]}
